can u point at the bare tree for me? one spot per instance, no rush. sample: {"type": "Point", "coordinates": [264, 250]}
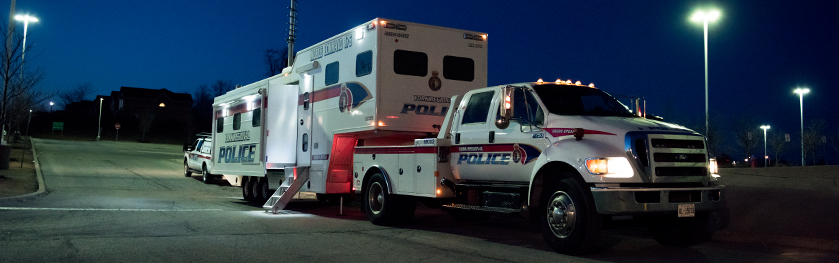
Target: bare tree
{"type": "Point", "coordinates": [145, 120]}
{"type": "Point", "coordinates": [777, 140]}
{"type": "Point", "coordinates": [16, 84]}
{"type": "Point", "coordinates": [812, 138]}
{"type": "Point", "coordinates": [275, 60]}
{"type": "Point", "coordinates": [221, 87]}
{"type": "Point", "coordinates": [745, 135]}
{"type": "Point", "coordinates": [76, 94]}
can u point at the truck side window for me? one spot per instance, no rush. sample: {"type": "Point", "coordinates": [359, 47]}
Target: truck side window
{"type": "Point", "coordinates": [237, 121]}
{"type": "Point", "coordinates": [477, 108]}
{"type": "Point", "coordinates": [410, 63]}
{"type": "Point", "coordinates": [220, 125]}
{"type": "Point", "coordinates": [527, 108]}
{"type": "Point", "coordinates": [257, 117]}
{"type": "Point", "coordinates": [364, 63]}
{"type": "Point", "coordinates": [458, 68]}
{"type": "Point", "coordinates": [331, 76]}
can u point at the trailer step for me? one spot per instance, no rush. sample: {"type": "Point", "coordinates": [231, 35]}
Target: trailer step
{"type": "Point", "coordinates": [491, 185]}
{"type": "Point", "coordinates": [287, 190]}
{"type": "Point", "coordinates": [502, 210]}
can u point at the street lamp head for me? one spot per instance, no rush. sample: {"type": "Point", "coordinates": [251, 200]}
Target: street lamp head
{"type": "Point", "coordinates": [764, 127]}
{"type": "Point", "coordinates": [51, 103]}
{"type": "Point", "coordinates": [801, 91]}
{"type": "Point", "coordinates": [26, 18]}
{"type": "Point", "coordinates": [705, 15]}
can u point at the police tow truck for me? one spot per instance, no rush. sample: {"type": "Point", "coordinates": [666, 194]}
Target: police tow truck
{"type": "Point", "coordinates": [400, 113]}
{"type": "Point", "coordinates": [197, 157]}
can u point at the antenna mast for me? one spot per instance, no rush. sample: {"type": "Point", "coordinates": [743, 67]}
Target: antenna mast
{"type": "Point", "coordinates": [292, 31]}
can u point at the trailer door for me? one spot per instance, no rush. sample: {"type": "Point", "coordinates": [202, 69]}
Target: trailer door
{"type": "Point", "coordinates": [304, 123]}
{"type": "Point", "coordinates": [280, 114]}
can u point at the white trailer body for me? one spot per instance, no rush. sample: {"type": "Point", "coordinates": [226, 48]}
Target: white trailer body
{"type": "Point", "coordinates": [384, 82]}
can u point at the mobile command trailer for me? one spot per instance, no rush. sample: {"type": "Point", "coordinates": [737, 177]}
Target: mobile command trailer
{"type": "Point", "coordinates": [566, 155]}
{"type": "Point", "coordinates": [384, 82]}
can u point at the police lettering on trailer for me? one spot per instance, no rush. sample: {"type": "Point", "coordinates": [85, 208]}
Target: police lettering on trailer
{"type": "Point", "coordinates": [420, 109]}
{"type": "Point", "coordinates": [245, 153]}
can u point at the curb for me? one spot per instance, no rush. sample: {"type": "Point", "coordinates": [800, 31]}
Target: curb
{"type": "Point", "coordinates": [42, 187]}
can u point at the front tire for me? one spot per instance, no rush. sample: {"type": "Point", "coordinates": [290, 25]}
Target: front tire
{"type": "Point", "coordinates": [570, 223]}
{"type": "Point", "coordinates": [187, 172]}
{"type": "Point", "coordinates": [380, 206]}
{"type": "Point", "coordinates": [206, 177]}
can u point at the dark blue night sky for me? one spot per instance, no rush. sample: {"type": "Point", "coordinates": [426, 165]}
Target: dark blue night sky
{"type": "Point", "coordinates": [759, 51]}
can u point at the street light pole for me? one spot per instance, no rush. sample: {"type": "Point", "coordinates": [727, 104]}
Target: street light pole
{"type": "Point", "coordinates": [765, 157]}
{"type": "Point", "coordinates": [705, 17]}
{"type": "Point", "coordinates": [26, 19]}
{"type": "Point", "coordinates": [51, 103]}
{"type": "Point", "coordinates": [801, 92]}
{"type": "Point", "coordinates": [99, 130]}
{"type": "Point", "coordinates": [28, 122]}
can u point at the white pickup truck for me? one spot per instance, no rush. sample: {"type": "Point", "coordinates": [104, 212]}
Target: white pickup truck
{"type": "Point", "coordinates": [567, 155]}
{"type": "Point", "coordinates": [197, 157]}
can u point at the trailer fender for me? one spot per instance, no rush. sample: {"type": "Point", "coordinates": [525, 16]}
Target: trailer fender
{"type": "Point", "coordinates": [372, 170]}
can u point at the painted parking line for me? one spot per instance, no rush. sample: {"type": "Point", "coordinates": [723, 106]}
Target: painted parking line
{"type": "Point", "coordinates": [109, 209]}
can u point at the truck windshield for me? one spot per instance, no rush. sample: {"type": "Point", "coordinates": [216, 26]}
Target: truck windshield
{"type": "Point", "coordinates": [578, 100]}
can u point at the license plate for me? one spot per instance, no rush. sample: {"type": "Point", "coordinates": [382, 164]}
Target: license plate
{"type": "Point", "coordinates": [687, 210]}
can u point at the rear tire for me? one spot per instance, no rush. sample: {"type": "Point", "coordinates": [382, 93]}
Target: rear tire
{"type": "Point", "coordinates": [380, 206]}
{"type": "Point", "coordinates": [682, 232]}
{"type": "Point", "coordinates": [569, 220]}
{"type": "Point", "coordinates": [247, 189]}
{"type": "Point", "coordinates": [187, 172]}
{"type": "Point", "coordinates": [206, 177]}
{"type": "Point", "coordinates": [262, 192]}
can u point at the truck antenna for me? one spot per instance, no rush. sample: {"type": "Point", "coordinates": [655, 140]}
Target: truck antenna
{"type": "Point", "coordinates": [292, 30]}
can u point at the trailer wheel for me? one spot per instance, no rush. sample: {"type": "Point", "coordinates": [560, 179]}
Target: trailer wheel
{"type": "Point", "coordinates": [262, 192]}
{"type": "Point", "coordinates": [247, 188]}
{"type": "Point", "coordinates": [187, 173]}
{"type": "Point", "coordinates": [570, 223]}
{"type": "Point", "coordinates": [206, 176]}
{"type": "Point", "coordinates": [682, 232]}
{"type": "Point", "coordinates": [380, 206]}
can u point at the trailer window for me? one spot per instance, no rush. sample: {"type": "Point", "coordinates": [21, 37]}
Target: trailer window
{"type": "Point", "coordinates": [331, 73]}
{"type": "Point", "coordinates": [220, 125]}
{"type": "Point", "coordinates": [410, 63]}
{"type": "Point", "coordinates": [458, 68]}
{"type": "Point", "coordinates": [364, 63]}
{"type": "Point", "coordinates": [477, 108]}
{"type": "Point", "coordinates": [237, 121]}
{"type": "Point", "coordinates": [257, 117]}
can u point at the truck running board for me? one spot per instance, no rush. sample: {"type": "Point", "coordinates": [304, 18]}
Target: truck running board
{"type": "Point", "coordinates": [502, 210]}
{"type": "Point", "coordinates": [287, 190]}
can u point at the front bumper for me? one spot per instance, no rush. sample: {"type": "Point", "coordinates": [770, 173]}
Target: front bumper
{"type": "Point", "coordinates": [639, 201]}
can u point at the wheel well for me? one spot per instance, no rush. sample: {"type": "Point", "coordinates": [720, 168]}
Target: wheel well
{"type": "Point", "coordinates": [372, 170]}
{"type": "Point", "coordinates": [548, 174]}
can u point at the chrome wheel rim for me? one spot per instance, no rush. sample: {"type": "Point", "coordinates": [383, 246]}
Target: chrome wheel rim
{"type": "Point", "coordinates": [375, 198]}
{"type": "Point", "coordinates": [561, 214]}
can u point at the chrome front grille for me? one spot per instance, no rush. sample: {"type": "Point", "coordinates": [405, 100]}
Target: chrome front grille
{"type": "Point", "coordinates": [669, 157]}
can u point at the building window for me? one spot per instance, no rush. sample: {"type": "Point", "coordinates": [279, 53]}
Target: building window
{"type": "Point", "coordinates": [162, 105]}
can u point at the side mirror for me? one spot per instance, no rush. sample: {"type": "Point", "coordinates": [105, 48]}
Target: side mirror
{"type": "Point", "coordinates": [505, 108]}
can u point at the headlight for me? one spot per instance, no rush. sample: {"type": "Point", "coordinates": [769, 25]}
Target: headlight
{"type": "Point", "coordinates": [713, 168]}
{"type": "Point", "coordinates": [610, 167]}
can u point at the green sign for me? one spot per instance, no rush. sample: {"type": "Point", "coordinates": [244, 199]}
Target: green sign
{"type": "Point", "coordinates": [57, 126]}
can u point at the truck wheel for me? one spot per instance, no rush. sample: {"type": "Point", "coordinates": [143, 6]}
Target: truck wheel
{"type": "Point", "coordinates": [206, 176]}
{"type": "Point", "coordinates": [570, 223]}
{"type": "Point", "coordinates": [247, 188]}
{"type": "Point", "coordinates": [187, 173]}
{"type": "Point", "coordinates": [381, 208]}
{"type": "Point", "coordinates": [682, 232]}
{"type": "Point", "coordinates": [262, 193]}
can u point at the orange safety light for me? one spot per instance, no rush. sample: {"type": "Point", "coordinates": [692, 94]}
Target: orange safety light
{"type": "Point", "coordinates": [591, 85]}
{"type": "Point", "coordinates": [578, 83]}
{"type": "Point", "coordinates": [507, 102]}
{"type": "Point", "coordinates": [439, 192]}
{"type": "Point", "coordinates": [539, 81]}
{"type": "Point", "coordinates": [558, 81]}
{"type": "Point", "coordinates": [383, 22]}
{"type": "Point", "coordinates": [597, 166]}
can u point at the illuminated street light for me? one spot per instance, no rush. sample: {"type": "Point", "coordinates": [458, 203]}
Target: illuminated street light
{"type": "Point", "coordinates": [801, 92]}
{"type": "Point", "coordinates": [26, 19]}
{"type": "Point", "coordinates": [99, 130]}
{"type": "Point", "coordinates": [765, 157]}
{"type": "Point", "coordinates": [51, 103]}
{"type": "Point", "coordinates": [704, 17]}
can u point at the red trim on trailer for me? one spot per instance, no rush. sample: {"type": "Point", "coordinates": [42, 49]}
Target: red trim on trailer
{"type": "Point", "coordinates": [396, 150]}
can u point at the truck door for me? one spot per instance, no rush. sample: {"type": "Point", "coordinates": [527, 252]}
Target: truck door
{"type": "Point", "coordinates": [304, 123]}
{"type": "Point", "coordinates": [470, 135]}
{"type": "Point", "coordinates": [516, 148]}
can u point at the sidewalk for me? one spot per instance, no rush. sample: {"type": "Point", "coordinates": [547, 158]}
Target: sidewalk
{"type": "Point", "coordinates": [23, 180]}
